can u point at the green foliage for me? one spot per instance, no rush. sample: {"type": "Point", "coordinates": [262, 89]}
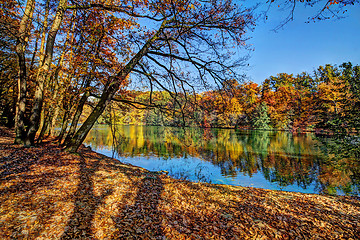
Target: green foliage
{"type": "Point", "coordinates": [260, 118]}
{"type": "Point", "coordinates": [342, 153]}
{"type": "Point", "coordinates": [351, 79]}
{"type": "Point", "coordinates": [338, 101]}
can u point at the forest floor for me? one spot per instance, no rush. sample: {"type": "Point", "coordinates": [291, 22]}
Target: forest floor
{"type": "Point", "coordinates": [46, 193]}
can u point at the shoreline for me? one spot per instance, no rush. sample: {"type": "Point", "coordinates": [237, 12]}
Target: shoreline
{"type": "Point", "coordinates": [321, 132]}
{"type": "Point", "coordinates": [46, 193]}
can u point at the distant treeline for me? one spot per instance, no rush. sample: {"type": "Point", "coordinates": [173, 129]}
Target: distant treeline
{"type": "Point", "coordinates": [328, 99]}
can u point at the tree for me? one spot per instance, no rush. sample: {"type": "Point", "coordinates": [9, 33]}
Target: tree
{"type": "Point", "coordinates": [260, 118]}
{"type": "Point", "coordinates": [21, 44]}
{"type": "Point", "coordinates": [181, 46]}
{"type": "Point", "coordinates": [249, 97]}
{"type": "Point", "coordinates": [279, 94]}
{"type": "Point", "coordinates": [177, 47]}
{"type": "Point", "coordinates": [351, 79]}
{"type": "Point", "coordinates": [8, 62]}
{"type": "Point", "coordinates": [185, 29]}
{"type": "Point", "coordinates": [44, 70]}
{"type": "Point", "coordinates": [326, 9]}
{"type": "Point", "coordinates": [43, 73]}
{"type": "Point", "coordinates": [330, 98]}
{"type": "Point", "coordinates": [304, 101]}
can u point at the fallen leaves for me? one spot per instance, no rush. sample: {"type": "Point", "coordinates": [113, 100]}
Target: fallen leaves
{"type": "Point", "coordinates": [49, 194]}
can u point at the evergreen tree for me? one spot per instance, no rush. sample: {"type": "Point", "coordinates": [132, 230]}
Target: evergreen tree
{"type": "Point", "coordinates": [261, 119]}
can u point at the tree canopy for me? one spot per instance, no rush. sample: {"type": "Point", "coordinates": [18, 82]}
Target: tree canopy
{"type": "Point", "coordinates": [63, 61]}
{"type": "Point", "coordinates": [69, 50]}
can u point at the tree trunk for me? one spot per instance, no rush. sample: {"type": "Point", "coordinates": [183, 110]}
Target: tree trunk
{"type": "Point", "coordinates": [43, 34]}
{"type": "Point", "coordinates": [43, 74]}
{"type": "Point", "coordinates": [32, 63]}
{"type": "Point", "coordinates": [54, 118]}
{"type": "Point", "coordinates": [83, 98]}
{"type": "Point", "coordinates": [64, 125]}
{"type": "Point", "coordinates": [76, 117]}
{"type": "Point", "coordinates": [22, 39]}
{"type": "Point", "coordinates": [74, 143]}
{"type": "Point", "coordinates": [21, 103]}
{"type": "Point", "coordinates": [45, 125]}
{"type": "Point", "coordinates": [109, 91]}
{"type": "Point", "coordinates": [54, 86]}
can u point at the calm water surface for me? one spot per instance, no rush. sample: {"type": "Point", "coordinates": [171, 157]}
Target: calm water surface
{"type": "Point", "coordinates": [263, 159]}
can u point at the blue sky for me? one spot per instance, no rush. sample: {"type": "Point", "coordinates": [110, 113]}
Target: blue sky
{"type": "Point", "coordinates": [301, 46]}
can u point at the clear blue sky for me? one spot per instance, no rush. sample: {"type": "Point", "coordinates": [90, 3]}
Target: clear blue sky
{"type": "Point", "coordinates": [301, 46]}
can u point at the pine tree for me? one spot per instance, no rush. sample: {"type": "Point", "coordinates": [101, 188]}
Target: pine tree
{"type": "Point", "coordinates": [261, 119]}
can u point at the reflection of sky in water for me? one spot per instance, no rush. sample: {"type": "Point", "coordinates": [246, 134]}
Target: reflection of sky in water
{"type": "Point", "coordinates": [269, 160]}
{"type": "Point", "coordinates": [195, 169]}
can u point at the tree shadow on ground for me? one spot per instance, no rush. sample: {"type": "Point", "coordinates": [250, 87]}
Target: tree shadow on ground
{"type": "Point", "coordinates": [28, 190]}
{"type": "Point", "coordinates": [47, 193]}
{"type": "Point", "coordinates": [21, 165]}
{"type": "Point", "coordinates": [141, 219]}
{"type": "Point", "coordinates": [86, 203]}
{"type": "Point", "coordinates": [42, 187]}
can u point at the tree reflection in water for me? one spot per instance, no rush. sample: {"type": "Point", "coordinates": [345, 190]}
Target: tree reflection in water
{"type": "Point", "coordinates": [268, 159]}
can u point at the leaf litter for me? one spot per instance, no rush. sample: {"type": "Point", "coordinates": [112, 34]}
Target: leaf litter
{"type": "Point", "coordinates": [46, 193]}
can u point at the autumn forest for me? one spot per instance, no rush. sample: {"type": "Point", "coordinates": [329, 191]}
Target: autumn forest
{"type": "Point", "coordinates": [61, 53]}
{"type": "Point", "coordinates": [325, 101]}
{"type": "Point", "coordinates": [70, 66]}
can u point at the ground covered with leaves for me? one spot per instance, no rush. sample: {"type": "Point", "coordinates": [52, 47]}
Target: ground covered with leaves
{"type": "Point", "coordinates": [46, 193]}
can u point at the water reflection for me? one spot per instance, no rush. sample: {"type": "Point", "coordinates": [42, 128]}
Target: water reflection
{"type": "Point", "coordinates": [271, 160]}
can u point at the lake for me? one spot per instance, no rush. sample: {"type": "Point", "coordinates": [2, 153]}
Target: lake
{"type": "Point", "coordinates": [264, 159]}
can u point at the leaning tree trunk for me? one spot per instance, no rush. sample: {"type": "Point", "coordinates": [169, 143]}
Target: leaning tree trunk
{"type": "Point", "coordinates": [47, 117]}
{"type": "Point", "coordinates": [55, 115]}
{"type": "Point", "coordinates": [108, 93]}
{"type": "Point", "coordinates": [22, 39]}
{"type": "Point", "coordinates": [74, 143]}
{"type": "Point", "coordinates": [76, 117]}
{"type": "Point", "coordinates": [64, 125]}
{"type": "Point", "coordinates": [43, 74]}
{"type": "Point", "coordinates": [83, 98]}
{"type": "Point", "coordinates": [54, 86]}
{"type": "Point", "coordinates": [44, 127]}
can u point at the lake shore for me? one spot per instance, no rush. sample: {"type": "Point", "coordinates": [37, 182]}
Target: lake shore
{"type": "Point", "coordinates": [46, 193]}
